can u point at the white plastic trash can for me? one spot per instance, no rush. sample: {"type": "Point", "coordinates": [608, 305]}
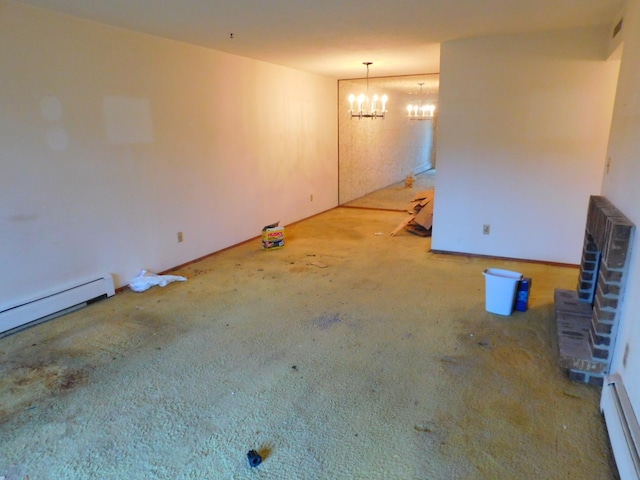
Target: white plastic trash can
{"type": "Point", "coordinates": [501, 286]}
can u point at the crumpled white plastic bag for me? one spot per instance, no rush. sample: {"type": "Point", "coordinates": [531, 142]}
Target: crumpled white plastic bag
{"type": "Point", "coordinates": [144, 280]}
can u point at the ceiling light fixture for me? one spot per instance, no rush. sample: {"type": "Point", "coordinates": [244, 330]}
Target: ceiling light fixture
{"type": "Point", "coordinates": [365, 107]}
{"type": "Point", "coordinates": [420, 112]}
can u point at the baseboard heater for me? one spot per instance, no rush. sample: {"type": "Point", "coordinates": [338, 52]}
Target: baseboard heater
{"type": "Point", "coordinates": [54, 303]}
{"type": "Point", "coordinates": [622, 425]}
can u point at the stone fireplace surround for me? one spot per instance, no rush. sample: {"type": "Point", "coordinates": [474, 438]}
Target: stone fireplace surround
{"type": "Point", "coordinates": [587, 318]}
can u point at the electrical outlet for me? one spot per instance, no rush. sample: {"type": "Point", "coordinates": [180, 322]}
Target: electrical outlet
{"type": "Point", "coordinates": [486, 229]}
{"type": "Point", "coordinates": [180, 237]}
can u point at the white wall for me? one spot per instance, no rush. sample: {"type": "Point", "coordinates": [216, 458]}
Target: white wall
{"type": "Point", "coordinates": [620, 185]}
{"type": "Point", "coordinates": [112, 141]}
{"type": "Point", "coordinates": [522, 137]}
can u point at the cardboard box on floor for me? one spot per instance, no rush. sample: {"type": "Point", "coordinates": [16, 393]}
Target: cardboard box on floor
{"type": "Point", "coordinates": [420, 218]}
{"type": "Point", "coordinates": [272, 236]}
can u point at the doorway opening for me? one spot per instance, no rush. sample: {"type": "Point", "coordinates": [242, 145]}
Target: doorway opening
{"type": "Point", "coordinates": [378, 158]}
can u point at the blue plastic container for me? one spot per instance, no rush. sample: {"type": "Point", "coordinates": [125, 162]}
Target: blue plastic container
{"type": "Point", "coordinates": [522, 295]}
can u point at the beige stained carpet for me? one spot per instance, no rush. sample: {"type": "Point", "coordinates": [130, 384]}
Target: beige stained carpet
{"type": "Point", "coordinates": [348, 354]}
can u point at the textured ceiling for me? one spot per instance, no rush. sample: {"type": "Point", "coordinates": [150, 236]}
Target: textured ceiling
{"type": "Point", "coordinates": [334, 37]}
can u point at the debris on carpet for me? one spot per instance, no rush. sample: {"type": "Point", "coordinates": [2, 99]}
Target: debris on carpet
{"type": "Point", "coordinates": [254, 458]}
{"type": "Point", "coordinates": [420, 219]}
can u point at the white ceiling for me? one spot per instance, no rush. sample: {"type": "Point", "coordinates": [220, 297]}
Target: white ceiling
{"type": "Point", "coordinates": [334, 37]}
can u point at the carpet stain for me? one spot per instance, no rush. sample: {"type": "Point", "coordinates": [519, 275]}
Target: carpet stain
{"type": "Point", "coordinates": [299, 269]}
{"type": "Point", "coordinates": [514, 357]}
{"type": "Point", "coordinates": [30, 382]}
{"type": "Point", "coordinates": [325, 321]}
{"type": "Point", "coordinates": [71, 379]}
{"type": "Point", "coordinates": [424, 427]}
{"type": "Point", "coordinates": [459, 365]}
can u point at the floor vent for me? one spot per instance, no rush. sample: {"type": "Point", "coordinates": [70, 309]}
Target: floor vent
{"type": "Point", "coordinates": [622, 425]}
{"type": "Point", "coordinates": [54, 303]}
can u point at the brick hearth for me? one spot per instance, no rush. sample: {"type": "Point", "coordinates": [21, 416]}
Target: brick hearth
{"type": "Point", "coordinates": [587, 319]}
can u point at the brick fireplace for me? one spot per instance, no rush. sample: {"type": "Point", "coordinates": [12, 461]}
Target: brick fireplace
{"type": "Point", "coordinates": [587, 318]}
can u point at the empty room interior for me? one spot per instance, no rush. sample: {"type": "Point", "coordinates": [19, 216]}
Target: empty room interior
{"type": "Point", "coordinates": [153, 142]}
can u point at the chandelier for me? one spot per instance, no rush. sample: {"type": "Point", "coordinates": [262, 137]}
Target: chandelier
{"type": "Point", "coordinates": [420, 112]}
{"type": "Point", "coordinates": [366, 107]}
